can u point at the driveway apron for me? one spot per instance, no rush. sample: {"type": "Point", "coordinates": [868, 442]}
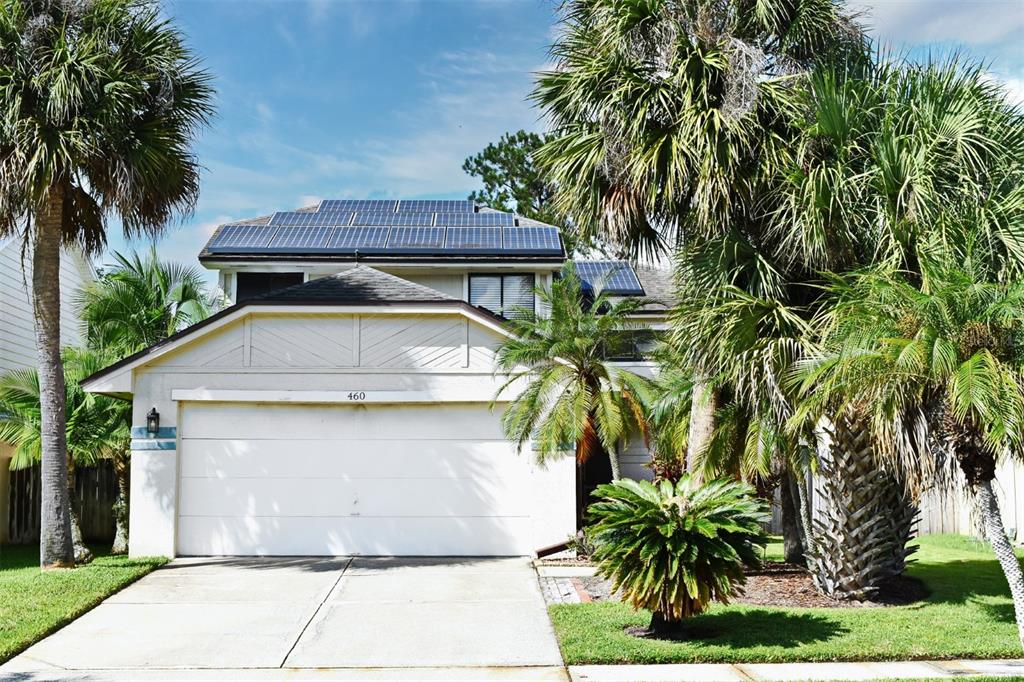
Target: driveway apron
{"type": "Point", "coordinates": [305, 613]}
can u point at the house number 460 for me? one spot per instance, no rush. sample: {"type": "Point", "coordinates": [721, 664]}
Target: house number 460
{"type": "Point", "coordinates": [357, 395]}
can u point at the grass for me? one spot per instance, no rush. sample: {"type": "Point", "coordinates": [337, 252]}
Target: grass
{"type": "Point", "coordinates": [33, 604]}
{"type": "Point", "coordinates": [968, 615]}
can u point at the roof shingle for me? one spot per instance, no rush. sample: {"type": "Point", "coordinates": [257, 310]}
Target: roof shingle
{"type": "Point", "coordinates": [356, 284]}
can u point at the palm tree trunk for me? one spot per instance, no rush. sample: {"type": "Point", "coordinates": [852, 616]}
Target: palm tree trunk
{"type": "Point", "coordinates": [56, 549]}
{"type": "Point", "coordinates": [702, 422]}
{"type": "Point", "coordinates": [792, 537]}
{"type": "Point", "coordinates": [804, 511]}
{"type": "Point", "coordinates": [988, 509]}
{"type": "Point", "coordinates": [82, 553]}
{"type": "Point", "coordinates": [613, 459]}
{"type": "Point", "coordinates": [120, 545]}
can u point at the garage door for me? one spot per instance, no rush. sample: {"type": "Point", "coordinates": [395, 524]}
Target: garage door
{"type": "Point", "coordinates": [259, 479]}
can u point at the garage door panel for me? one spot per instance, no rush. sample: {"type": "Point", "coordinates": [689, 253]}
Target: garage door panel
{"type": "Point", "coordinates": [339, 422]}
{"type": "Point", "coordinates": [371, 479]}
{"type": "Point", "coordinates": [237, 458]}
{"type": "Point", "coordinates": [300, 536]}
{"type": "Point", "coordinates": [361, 497]}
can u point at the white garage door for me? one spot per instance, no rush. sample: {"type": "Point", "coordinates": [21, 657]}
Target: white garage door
{"type": "Point", "coordinates": [374, 480]}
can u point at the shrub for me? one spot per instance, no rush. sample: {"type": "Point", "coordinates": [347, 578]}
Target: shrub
{"type": "Point", "coordinates": [674, 548]}
{"type": "Point", "coordinates": [581, 543]}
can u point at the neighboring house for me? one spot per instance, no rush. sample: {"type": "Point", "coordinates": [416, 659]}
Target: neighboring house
{"type": "Point", "coordinates": [342, 404]}
{"type": "Point", "coordinates": [17, 335]}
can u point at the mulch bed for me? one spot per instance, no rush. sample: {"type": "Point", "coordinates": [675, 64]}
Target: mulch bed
{"type": "Point", "coordinates": [787, 585]}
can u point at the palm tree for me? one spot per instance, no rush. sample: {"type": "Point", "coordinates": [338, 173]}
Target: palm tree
{"type": "Point", "coordinates": [944, 357]}
{"type": "Point", "coordinates": [662, 111]}
{"type": "Point", "coordinates": [574, 397]}
{"type": "Point", "coordinates": [96, 426]}
{"type": "Point", "coordinates": [141, 301]}
{"type": "Point", "coordinates": [101, 102]}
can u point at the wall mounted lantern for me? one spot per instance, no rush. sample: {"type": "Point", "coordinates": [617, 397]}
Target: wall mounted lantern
{"type": "Point", "coordinates": [153, 423]}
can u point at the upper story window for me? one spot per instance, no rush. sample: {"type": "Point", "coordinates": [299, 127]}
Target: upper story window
{"type": "Point", "coordinates": [508, 295]}
{"type": "Point", "coordinates": [249, 284]}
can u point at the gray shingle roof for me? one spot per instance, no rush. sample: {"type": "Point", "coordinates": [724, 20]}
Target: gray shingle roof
{"type": "Point", "coordinates": [357, 284]}
{"type": "Point", "coordinates": [658, 287]}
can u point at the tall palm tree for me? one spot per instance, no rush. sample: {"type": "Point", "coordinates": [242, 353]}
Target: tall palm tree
{"type": "Point", "coordinates": [96, 426]}
{"type": "Point", "coordinates": [141, 301]}
{"type": "Point", "coordinates": [100, 104]}
{"type": "Point", "coordinates": [662, 111]}
{"type": "Point", "coordinates": [945, 356]}
{"type": "Point", "coordinates": [574, 397]}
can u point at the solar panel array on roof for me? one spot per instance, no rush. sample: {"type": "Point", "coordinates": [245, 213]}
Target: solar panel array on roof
{"type": "Point", "coordinates": [436, 206]}
{"type": "Point", "coordinates": [611, 276]}
{"type": "Point", "coordinates": [303, 218]}
{"type": "Point", "coordinates": [434, 227]}
{"type": "Point", "coordinates": [335, 205]}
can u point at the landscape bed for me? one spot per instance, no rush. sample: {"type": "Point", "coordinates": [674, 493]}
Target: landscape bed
{"type": "Point", "coordinates": [33, 603]}
{"type": "Point", "coordinates": [968, 614]}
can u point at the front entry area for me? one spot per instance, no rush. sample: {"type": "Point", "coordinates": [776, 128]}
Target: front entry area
{"type": "Point", "coordinates": [340, 479]}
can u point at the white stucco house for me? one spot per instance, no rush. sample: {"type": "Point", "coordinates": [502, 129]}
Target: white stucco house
{"type": "Point", "coordinates": [17, 334]}
{"type": "Point", "coordinates": [342, 403]}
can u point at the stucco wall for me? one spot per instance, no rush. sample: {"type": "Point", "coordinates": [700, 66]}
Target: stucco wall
{"type": "Point", "coordinates": [437, 358]}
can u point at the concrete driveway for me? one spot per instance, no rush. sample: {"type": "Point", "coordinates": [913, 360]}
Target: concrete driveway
{"type": "Point", "coordinates": [337, 618]}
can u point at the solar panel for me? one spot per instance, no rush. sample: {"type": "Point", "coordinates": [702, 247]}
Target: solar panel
{"type": "Point", "coordinates": [358, 205]}
{"type": "Point", "coordinates": [475, 219]}
{"type": "Point", "coordinates": [416, 238]}
{"type": "Point", "coordinates": [612, 276]}
{"type": "Point", "coordinates": [358, 238]}
{"type": "Point", "coordinates": [532, 240]}
{"type": "Point", "coordinates": [241, 238]}
{"type": "Point", "coordinates": [381, 218]}
{"type": "Point", "coordinates": [298, 239]}
{"type": "Point", "coordinates": [473, 239]}
{"type": "Point", "coordinates": [304, 218]}
{"type": "Point", "coordinates": [436, 206]}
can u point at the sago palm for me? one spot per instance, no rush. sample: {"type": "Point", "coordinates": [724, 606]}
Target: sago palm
{"type": "Point", "coordinates": [572, 397]}
{"type": "Point", "coordinates": [99, 104]}
{"type": "Point", "coordinates": [674, 548]}
{"type": "Point", "coordinates": [939, 367]}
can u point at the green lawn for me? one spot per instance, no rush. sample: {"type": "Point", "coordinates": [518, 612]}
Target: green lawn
{"type": "Point", "coordinates": [968, 615]}
{"type": "Point", "coordinates": [34, 604]}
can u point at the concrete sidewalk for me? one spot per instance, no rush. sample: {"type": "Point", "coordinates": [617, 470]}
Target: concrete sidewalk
{"type": "Point", "coordinates": [903, 670]}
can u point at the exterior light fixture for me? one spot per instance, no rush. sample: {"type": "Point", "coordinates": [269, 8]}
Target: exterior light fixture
{"type": "Point", "coordinates": [153, 423]}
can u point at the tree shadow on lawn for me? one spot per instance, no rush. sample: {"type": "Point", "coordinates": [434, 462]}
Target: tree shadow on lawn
{"type": "Point", "coordinates": [752, 628]}
{"type": "Point", "coordinates": [965, 581]}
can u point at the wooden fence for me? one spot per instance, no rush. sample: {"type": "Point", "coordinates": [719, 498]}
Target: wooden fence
{"type": "Point", "coordinates": [95, 493]}
{"type": "Point", "coordinates": [949, 509]}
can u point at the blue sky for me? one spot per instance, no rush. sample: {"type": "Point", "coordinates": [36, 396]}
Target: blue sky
{"type": "Point", "coordinates": [375, 98]}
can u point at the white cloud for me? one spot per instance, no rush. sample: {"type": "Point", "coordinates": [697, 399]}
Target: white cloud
{"type": "Point", "coordinates": [1014, 87]}
{"type": "Point", "coordinates": [980, 22]}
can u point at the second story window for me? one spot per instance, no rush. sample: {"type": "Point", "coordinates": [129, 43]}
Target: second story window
{"type": "Point", "coordinates": [506, 295]}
